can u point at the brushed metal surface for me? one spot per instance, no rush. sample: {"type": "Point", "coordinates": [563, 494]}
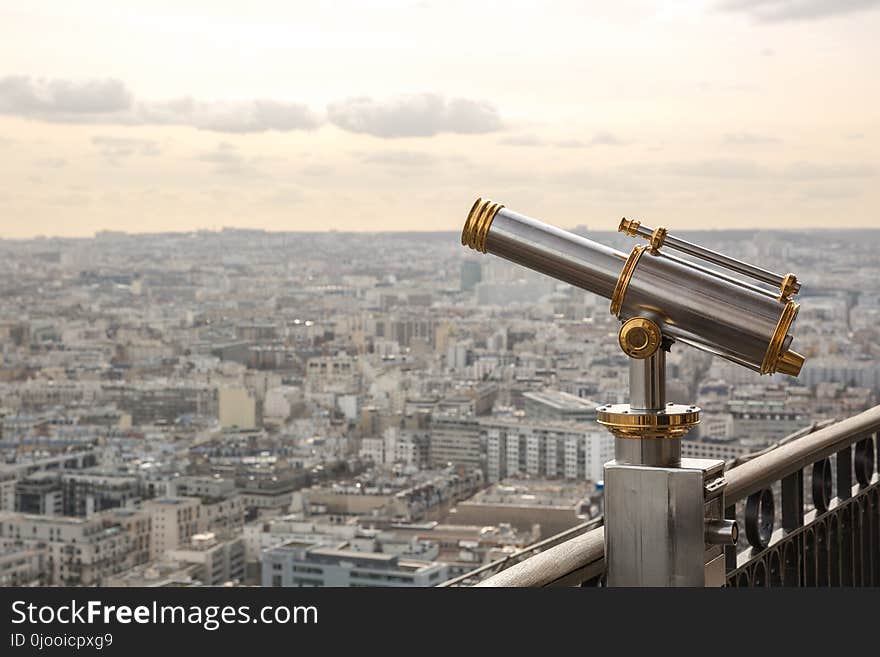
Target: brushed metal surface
{"type": "Point", "coordinates": [555, 252]}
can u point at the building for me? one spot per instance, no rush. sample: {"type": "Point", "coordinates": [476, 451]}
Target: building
{"type": "Point", "coordinates": [395, 446]}
{"type": "Point", "coordinates": [763, 421]}
{"type": "Point", "coordinates": [571, 450]}
{"type": "Point", "coordinates": [555, 505]}
{"type": "Point", "coordinates": [272, 493]}
{"type": "Point", "coordinates": [7, 489]}
{"type": "Point", "coordinates": [237, 408]}
{"type": "Point", "coordinates": [455, 440]}
{"type": "Point", "coordinates": [40, 494]}
{"type": "Point", "coordinates": [138, 525]}
{"type": "Point", "coordinates": [23, 565]}
{"type": "Point", "coordinates": [81, 551]}
{"type": "Point", "coordinates": [174, 521]}
{"type": "Point", "coordinates": [157, 574]}
{"type": "Point", "coordinates": [471, 274]}
{"type": "Point", "coordinates": [86, 493]}
{"type": "Point", "coordinates": [708, 449]}
{"type": "Point", "coordinates": [52, 493]}
{"type": "Point", "coordinates": [218, 561]}
{"type": "Point", "coordinates": [554, 405]}
{"type": "Point", "coordinates": [308, 564]}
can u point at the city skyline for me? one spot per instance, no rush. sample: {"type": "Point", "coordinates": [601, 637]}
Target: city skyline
{"type": "Point", "coordinates": [275, 410]}
{"type": "Point", "coordinates": [394, 118]}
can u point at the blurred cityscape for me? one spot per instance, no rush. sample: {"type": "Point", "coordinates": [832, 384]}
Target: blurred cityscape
{"type": "Point", "coordinates": [338, 409]}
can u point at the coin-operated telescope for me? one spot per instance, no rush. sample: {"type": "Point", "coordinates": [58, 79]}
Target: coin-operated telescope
{"type": "Point", "coordinates": [664, 515]}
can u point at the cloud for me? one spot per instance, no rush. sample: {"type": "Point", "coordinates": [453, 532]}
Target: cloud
{"type": "Point", "coordinates": [606, 139]}
{"type": "Point", "coordinates": [405, 159]}
{"type": "Point", "coordinates": [777, 11]}
{"type": "Point", "coordinates": [113, 148]}
{"type": "Point", "coordinates": [283, 196]}
{"type": "Point", "coordinates": [227, 160]}
{"type": "Point", "coordinates": [51, 163]}
{"type": "Point", "coordinates": [234, 117]}
{"type": "Point", "coordinates": [730, 168]}
{"type": "Point", "coordinates": [421, 115]}
{"type": "Point", "coordinates": [742, 169]}
{"type": "Point", "coordinates": [316, 170]}
{"type": "Point", "coordinates": [749, 139]}
{"type": "Point", "coordinates": [570, 143]}
{"type": "Point", "coordinates": [529, 141]}
{"type": "Point", "coordinates": [40, 98]}
{"type": "Point", "coordinates": [808, 171]}
{"type": "Point", "coordinates": [110, 102]}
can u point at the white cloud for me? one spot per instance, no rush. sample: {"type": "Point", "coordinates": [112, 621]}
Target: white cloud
{"type": "Point", "coordinates": [110, 102]}
{"type": "Point", "coordinates": [775, 11]}
{"type": "Point", "coordinates": [240, 117]}
{"type": "Point", "coordinates": [40, 98]}
{"type": "Point", "coordinates": [421, 115]}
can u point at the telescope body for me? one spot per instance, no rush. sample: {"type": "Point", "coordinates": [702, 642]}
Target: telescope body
{"type": "Point", "coordinates": [725, 316]}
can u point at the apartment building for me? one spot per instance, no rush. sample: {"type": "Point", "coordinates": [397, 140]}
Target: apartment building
{"type": "Point", "coordinates": [174, 521]}
{"type": "Point", "coordinates": [218, 561]}
{"type": "Point", "coordinates": [81, 551]}
{"type": "Point", "coordinates": [545, 449]}
{"type": "Point", "coordinates": [307, 564]}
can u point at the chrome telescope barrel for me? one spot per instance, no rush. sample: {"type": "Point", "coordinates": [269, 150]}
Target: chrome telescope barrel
{"type": "Point", "coordinates": [692, 304]}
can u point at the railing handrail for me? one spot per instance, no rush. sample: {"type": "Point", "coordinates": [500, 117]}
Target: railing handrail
{"type": "Point", "coordinates": [521, 555]}
{"type": "Point", "coordinates": [583, 557]}
{"type": "Point", "coordinates": [766, 469]}
{"type": "Point", "coordinates": [571, 562]}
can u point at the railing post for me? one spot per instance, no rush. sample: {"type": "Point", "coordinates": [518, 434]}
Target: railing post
{"type": "Point", "coordinates": [844, 473]}
{"type": "Point", "coordinates": [844, 493]}
{"type": "Point", "coordinates": [793, 516]}
{"type": "Point", "coordinates": [793, 501]}
{"type": "Point", "coordinates": [730, 550]}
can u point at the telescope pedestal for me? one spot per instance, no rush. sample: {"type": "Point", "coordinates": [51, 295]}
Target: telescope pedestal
{"type": "Point", "coordinates": [658, 506]}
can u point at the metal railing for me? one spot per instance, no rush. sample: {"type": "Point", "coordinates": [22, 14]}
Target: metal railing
{"type": "Point", "coordinates": [831, 538]}
{"type": "Point", "coordinates": [474, 577]}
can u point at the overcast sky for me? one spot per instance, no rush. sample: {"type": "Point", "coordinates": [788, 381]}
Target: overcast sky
{"type": "Point", "coordinates": [152, 115]}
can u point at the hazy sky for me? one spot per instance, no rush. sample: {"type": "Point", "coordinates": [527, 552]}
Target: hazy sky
{"type": "Point", "coordinates": [152, 115]}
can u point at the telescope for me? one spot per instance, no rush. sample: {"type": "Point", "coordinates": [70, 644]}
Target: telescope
{"type": "Point", "coordinates": [715, 303]}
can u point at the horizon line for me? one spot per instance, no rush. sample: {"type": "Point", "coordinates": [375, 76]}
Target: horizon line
{"type": "Point", "coordinates": [576, 229]}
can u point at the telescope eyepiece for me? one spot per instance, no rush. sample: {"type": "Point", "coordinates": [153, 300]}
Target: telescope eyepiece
{"type": "Point", "coordinates": [479, 220]}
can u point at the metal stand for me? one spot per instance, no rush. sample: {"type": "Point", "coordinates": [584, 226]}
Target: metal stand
{"type": "Point", "coordinates": [664, 515]}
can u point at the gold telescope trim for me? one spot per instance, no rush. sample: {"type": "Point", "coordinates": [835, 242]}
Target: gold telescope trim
{"type": "Point", "coordinates": [673, 421]}
{"type": "Point", "coordinates": [629, 227]}
{"type": "Point", "coordinates": [625, 275]}
{"type": "Point", "coordinates": [657, 238]}
{"type": "Point", "coordinates": [639, 337]}
{"type": "Point", "coordinates": [787, 287]}
{"type": "Point", "coordinates": [775, 360]}
{"type": "Point", "coordinates": [479, 220]}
